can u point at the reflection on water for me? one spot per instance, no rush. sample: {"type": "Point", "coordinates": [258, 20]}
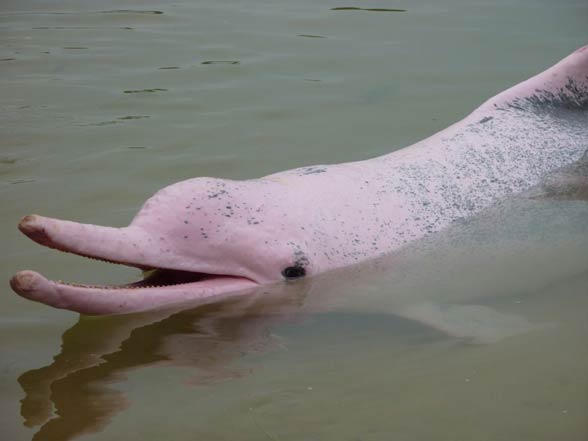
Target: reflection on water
{"type": "Point", "coordinates": [74, 394]}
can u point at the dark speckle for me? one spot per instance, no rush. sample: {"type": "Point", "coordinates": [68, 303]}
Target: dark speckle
{"type": "Point", "coordinates": [313, 170]}
{"type": "Point", "coordinates": [216, 195]}
{"type": "Point", "coordinates": [300, 259]}
{"type": "Point", "coordinates": [573, 96]}
{"type": "Point", "coordinates": [485, 119]}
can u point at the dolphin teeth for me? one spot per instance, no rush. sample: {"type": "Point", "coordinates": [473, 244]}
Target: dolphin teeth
{"type": "Point", "coordinates": [100, 259]}
{"type": "Point", "coordinates": [162, 278]}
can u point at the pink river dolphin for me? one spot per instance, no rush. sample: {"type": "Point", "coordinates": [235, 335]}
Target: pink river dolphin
{"type": "Point", "coordinates": [205, 237]}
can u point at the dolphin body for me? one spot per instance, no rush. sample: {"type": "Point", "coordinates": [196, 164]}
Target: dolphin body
{"type": "Point", "coordinates": [203, 238]}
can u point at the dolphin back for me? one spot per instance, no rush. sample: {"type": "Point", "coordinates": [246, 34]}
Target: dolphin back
{"type": "Point", "coordinates": [508, 145]}
{"type": "Point", "coordinates": [562, 86]}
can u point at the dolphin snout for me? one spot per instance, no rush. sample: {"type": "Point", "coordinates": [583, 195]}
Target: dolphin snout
{"type": "Point", "coordinates": [23, 281]}
{"type": "Point", "coordinates": [34, 227]}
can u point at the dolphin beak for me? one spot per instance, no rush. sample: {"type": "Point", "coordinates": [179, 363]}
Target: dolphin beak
{"type": "Point", "coordinates": [167, 285]}
{"type": "Point", "coordinates": [117, 245]}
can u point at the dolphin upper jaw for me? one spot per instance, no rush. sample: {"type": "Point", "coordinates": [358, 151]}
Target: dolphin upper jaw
{"type": "Point", "coordinates": [115, 245]}
{"type": "Point", "coordinates": [130, 246]}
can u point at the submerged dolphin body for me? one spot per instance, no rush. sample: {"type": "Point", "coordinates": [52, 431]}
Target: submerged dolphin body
{"type": "Point", "coordinates": [206, 237]}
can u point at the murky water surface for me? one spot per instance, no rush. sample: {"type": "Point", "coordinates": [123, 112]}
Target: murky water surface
{"type": "Point", "coordinates": [105, 102]}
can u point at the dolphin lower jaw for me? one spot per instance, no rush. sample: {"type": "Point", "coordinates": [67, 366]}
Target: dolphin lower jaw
{"type": "Point", "coordinates": [135, 297]}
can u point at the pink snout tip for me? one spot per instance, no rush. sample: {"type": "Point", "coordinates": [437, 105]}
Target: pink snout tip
{"type": "Point", "coordinates": [26, 282]}
{"type": "Point", "coordinates": [33, 227]}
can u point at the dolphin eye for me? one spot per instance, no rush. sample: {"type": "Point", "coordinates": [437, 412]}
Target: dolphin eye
{"type": "Point", "coordinates": [293, 272]}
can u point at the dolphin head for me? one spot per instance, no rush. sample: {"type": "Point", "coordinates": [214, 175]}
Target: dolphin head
{"type": "Point", "coordinates": [195, 239]}
{"type": "Point", "coordinates": [214, 226]}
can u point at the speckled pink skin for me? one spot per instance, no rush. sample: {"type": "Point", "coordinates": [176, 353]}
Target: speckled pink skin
{"type": "Point", "coordinates": [245, 233]}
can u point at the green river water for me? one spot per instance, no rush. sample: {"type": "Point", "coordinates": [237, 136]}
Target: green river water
{"type": "Point", "coordinates": [103, 103]}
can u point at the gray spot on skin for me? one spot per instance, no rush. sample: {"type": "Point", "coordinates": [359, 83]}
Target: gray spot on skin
{"type": "Point", "coordinates": [313, 170]}
{"type": "Point", "coordinates": [570, 97]}
{"type": "Point", "coordinates": [485, 119]}
{"type": "Point", "coordinates": [300, 259]}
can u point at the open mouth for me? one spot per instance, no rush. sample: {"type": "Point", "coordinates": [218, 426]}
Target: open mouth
{"type": "Point", "coordinates": [160, 287]}
{"type": "Point", "coordinates": [165, 277]}
{"type": "Point", "coordinates": [152, 278]}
